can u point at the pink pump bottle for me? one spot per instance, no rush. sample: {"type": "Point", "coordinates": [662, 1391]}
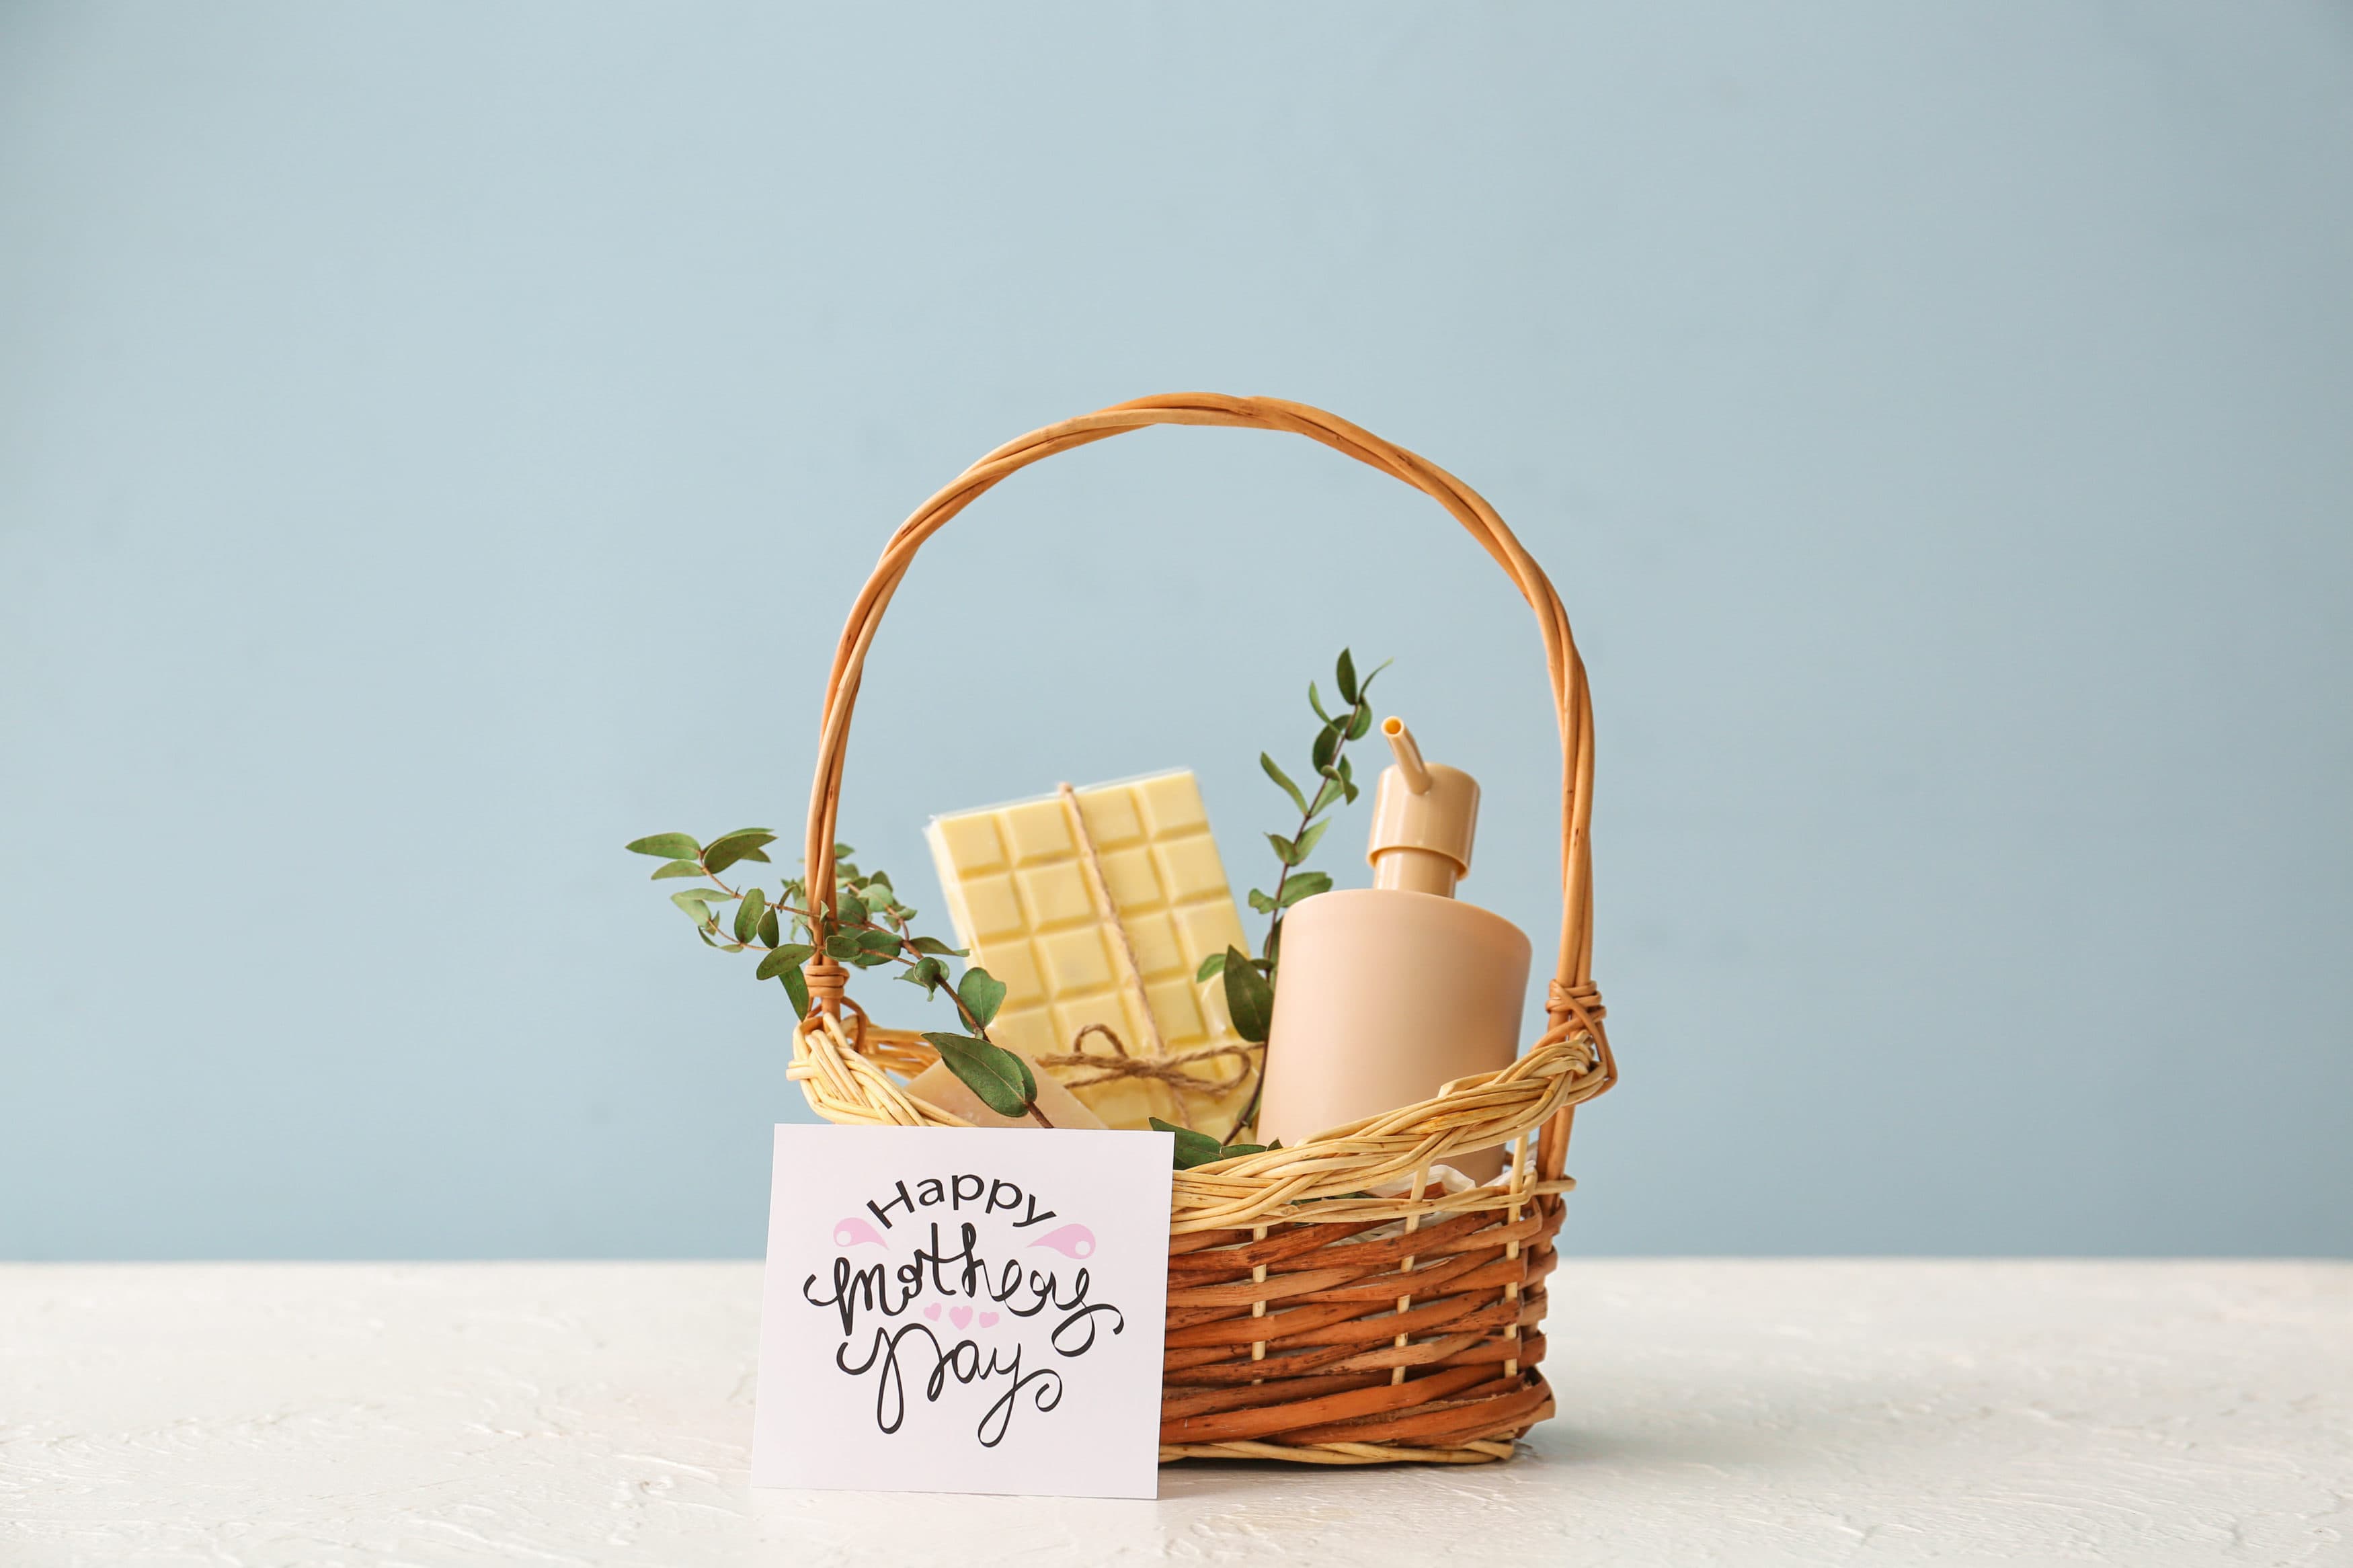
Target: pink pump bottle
{"type": "Point", "coordinates": [1387, 993]}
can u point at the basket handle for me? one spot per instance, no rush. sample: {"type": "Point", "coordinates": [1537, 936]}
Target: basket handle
{"type": "Point", "coordinates": [1572, 1003]}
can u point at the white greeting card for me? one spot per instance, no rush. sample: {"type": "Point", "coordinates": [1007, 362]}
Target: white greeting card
{"type": "Point", "coordinates": [964, 1310]}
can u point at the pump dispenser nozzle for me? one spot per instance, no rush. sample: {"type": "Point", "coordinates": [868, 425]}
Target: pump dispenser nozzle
{"type": "Point", "coordinates": [1409, 756]}
{"type": "Point", "coordinates": [1423, 819]}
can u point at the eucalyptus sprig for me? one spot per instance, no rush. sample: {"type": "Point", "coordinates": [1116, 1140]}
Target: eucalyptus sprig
{"type": "Point", "coordinates": [866, 928]}
{"type": "Point", "coordinates": [1250, 982]}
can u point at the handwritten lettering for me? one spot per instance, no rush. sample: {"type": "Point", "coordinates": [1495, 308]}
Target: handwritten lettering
{"type": "Point", "coordinates": [868, 1303]}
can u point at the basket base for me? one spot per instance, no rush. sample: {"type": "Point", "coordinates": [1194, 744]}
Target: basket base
{"type": "Point", "coordinates": [1478, 1451]}
{"type": "Point", "coordinates": [1341, 1453]}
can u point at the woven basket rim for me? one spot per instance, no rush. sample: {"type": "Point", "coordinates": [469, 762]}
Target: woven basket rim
{"type": "Point", "coordinates": [1319, 1179]}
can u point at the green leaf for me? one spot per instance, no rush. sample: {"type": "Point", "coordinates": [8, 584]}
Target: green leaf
{"type": "Point", "coordinates": [1284, 849]}
{"type": "Point", "coordinates": [1305, 844]}
{"type": "Point", "coordinates": [797, 987]}
{"type": "Point", "coordinates": [748, 913]}
{"type": "Point", "coordinates": [1260, 902]}
{"type": "Point", "coordinates": [1366, 683]}
{"type": "Point", "coordinates": [771, 933]}
{"type": "Point", "coordinates": [1199, 1149]}
{"type": "Point", "coordinates": [1248, 998]}
{"type": "Point", "coordinates": [843, 852]}
{"type": "Point", "coordinates": [697, 902]}
{"type": "Point", "coordinates": [843, 944]}
{"type": "Point", "coordinates": [668, 846]}
{"type": "Point", "coordinates": [1209, 966]}
{"type": "Point", "coordinates": [880, 942]}
{"type": "Point", "coordinates": [868, 960]}
{"type": "Point", "coordinates": [1328, 746]}
{"type": "Point", "coordinates": [677, 868]}
{"type": "Point", "coordinates": [1305, 885]}
{"type": "Point", "coordinates": [1003, 1080]}
{"type": "Point", "coordinates": [928, 973]}
{"type": "Point", "coordinates": [1326, 795]}
{"type": "Point", "coordinates": [1279, 776]}
{"type": "Point", "coordinates": [850, 909]}
{"type": "Point", "coordinates": [1362, 724]}
{"type": "Point", "coordinates": [791, 956]}
{"type": "Point", "coordinates": [744, 844]}
{"type": "Point", "coordinates": [1192, 1148]}
{"type": "Point", "coordinates": [1344, 676]}
{"type": "Point", "coordinates": [933, 944]}
{"type": "Point", "coordinates": [1317, 703]}
{"type": "Point", "coordinates": [981, 993]}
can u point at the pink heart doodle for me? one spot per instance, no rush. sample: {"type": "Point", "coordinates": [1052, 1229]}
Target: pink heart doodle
{"type": "Point", "coordinates": [988, 1320]}
{"type": "Point", "coordinates": [959, 1316]}
{"type": "Point", "coordinates": [932, 1311]}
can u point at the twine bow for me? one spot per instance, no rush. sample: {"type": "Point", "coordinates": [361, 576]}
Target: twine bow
{"type": "Point", "coordinates": [1169, 1070]}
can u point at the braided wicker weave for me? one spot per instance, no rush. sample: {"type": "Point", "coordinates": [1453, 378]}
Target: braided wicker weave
{"type": "Point", "coordinates": [1311, 1316]}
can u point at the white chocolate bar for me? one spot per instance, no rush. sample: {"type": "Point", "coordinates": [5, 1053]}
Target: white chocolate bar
{"type": "Point", "coordinates": [1022, 900]}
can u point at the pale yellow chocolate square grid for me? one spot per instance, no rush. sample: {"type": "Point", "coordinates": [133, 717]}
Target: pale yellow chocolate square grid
{"type": "Point", "coordinates": [1018, 897]}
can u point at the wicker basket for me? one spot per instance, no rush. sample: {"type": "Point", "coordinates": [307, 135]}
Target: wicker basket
{"type": "Point", "coordinates": [1309, 1319]}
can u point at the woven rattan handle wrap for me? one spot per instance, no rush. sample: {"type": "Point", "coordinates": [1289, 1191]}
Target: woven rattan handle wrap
{"type": "Point", "coordinates": [1572, 1003]}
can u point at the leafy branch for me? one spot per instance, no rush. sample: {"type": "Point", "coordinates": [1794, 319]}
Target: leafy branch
{"type": "Point", "coordinates": [866, 928]}
{"type": "Point", "coordinates": [1250, 982]}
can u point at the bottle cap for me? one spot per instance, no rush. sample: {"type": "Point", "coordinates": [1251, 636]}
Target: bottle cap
{"type": "Point", "coordinates": [1424, 816]}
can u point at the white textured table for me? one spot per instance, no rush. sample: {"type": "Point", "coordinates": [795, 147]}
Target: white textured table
{"type": "Point", "coordinates": [1736, 1413]}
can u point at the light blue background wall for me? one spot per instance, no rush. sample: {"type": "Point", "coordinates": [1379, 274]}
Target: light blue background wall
{"type": "Point", "coordinates": [438, 443]}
